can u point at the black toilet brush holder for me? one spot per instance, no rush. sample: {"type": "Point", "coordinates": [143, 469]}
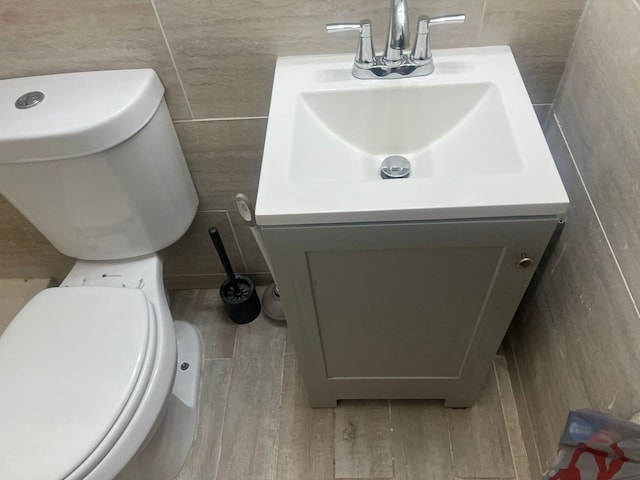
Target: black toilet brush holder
{"type": "Point", "coordinates": [238, 294]}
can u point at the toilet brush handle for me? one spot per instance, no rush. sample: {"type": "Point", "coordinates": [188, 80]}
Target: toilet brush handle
{"type": "Point", "coordinates": [222, 253]}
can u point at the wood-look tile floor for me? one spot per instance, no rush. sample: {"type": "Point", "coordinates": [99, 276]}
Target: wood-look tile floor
{"type": "Point", "coordinates": [255, 423]}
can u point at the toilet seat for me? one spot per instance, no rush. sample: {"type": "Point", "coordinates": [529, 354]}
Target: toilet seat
{"type": "Point", "coordinates": [75, 364]}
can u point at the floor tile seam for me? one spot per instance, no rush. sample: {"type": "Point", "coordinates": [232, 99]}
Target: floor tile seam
{"type": "Point", "coordinates": [277, 439]}
{"type": "Point", "coordinates": [391, 449]}
{"type": "Point", "coordinates": [504, 417]}
{"type": "Point", "coordinates": [200, 405]}
{"type": "Point", "coordinates": [526, 407]}
{"type": "Point", "coordinates": [235, 347]}
{"type": "Point", "coordinates": [598, 219]}
{"type": "Point", "coordinates": [224, 413]}
{"type": "Point", "coordinates": [450, 439]}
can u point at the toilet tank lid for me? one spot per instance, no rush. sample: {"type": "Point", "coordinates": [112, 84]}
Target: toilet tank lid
{"type": "Point", "coordinates": [80, 113]}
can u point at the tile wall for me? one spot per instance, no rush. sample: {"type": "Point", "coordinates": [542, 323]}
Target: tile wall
{"type": "Point", "coordinates": [216, 60]}
{"type": "Point", "coordinates": [577, 343]}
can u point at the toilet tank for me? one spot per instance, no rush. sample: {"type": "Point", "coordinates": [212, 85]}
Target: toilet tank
{"type": "Point", "coordinates": [95, 164]}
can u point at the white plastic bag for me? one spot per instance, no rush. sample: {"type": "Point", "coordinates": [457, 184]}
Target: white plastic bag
{"type": "Point", "coordinates": [597, 446]}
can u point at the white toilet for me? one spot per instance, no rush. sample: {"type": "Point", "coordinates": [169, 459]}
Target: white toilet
{"type": "Point", "coordinates": [96, 379]}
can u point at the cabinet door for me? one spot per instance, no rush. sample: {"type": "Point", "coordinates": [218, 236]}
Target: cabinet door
{"type": "Point", "coordinates": [411, 310]}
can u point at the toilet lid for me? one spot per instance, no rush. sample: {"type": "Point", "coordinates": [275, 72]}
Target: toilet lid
{"type": "Point", "coordinates": [70, 363]}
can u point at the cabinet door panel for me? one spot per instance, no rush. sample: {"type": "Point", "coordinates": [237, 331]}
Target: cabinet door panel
{"type": "Point", "coordinates": [401, 312]}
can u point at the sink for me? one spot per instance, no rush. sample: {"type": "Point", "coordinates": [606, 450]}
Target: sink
{"type": "Point", "coordinates": [342, 136]}
{"type": "Point", "coordinates": [468, 130]}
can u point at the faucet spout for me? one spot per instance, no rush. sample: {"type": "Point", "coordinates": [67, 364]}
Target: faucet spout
{"type": "Point", "coordinates": [398, 37]}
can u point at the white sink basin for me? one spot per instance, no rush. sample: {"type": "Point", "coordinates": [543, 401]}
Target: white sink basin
{"type": "Point", "coordinates": [469, 131]}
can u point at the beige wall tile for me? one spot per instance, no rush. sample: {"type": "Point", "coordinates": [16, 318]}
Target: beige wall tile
{"type": "Point", "coordinates": [226, 51]}
{"type": "Point", "coordinates": [13, 238]}
{"type": "Point", "coordinates": [578, 343]}
{"type": "Point", "coordinates": [53, 36]}
{"type": "Point", "coordinates": [24, 252]}
{"type": "Point", "coordinates": [541, 76]}
{"type": "Point", "coordinates": [224, 158]}
{"type": "Point", "coordinates": [540, 34]}
{"type": "Point", "coordinates": [544, 28]}
{"type": "Point", "coordinates": [599, 108]}
{"type": "Point", "coordinates": [253, 257]}
{"type": "Point", "coordinates": [194, 253]}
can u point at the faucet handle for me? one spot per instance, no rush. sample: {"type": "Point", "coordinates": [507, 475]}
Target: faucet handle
{"type": "Point", "coordinates": [444, 19]}
{"type": "Point", "coordinates": [365, 56]}
{"type": "Point", "coordinates": [422, 46]}
{"type": "Point", "coordinates": [343, 27]}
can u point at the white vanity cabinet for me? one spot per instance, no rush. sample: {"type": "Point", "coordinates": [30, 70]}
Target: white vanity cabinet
{"type": "Point", "coordinates": [403, 310]}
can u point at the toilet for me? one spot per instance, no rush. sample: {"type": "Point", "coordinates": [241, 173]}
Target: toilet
{"type": "Point", "coordinates": [97, 380]}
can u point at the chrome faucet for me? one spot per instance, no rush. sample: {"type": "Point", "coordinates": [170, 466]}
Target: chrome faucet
{"type": "Point", "coordinates": [395, 62]}
{"type": "Point", "coordinates": [398, 35]}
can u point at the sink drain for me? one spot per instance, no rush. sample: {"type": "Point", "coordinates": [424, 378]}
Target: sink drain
{"type": "Point", "coordinates": [395, 166]}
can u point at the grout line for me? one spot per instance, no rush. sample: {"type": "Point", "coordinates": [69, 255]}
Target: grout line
{"type": "Point", "coordinates": [173, 61]}
{"type": "Point", "coordinates": [224, 408]}
{"type": "Point", "coordinates": [570, 55]}
{"type": "Point", "coordinates": [276, 450]}
{"type": "Point", "coordinates": [484, 10]}
{"type": "Point", "coordinates": [526, 407]}
{"type": "Point", "coordinates": [595, 212]}
{"type": "Point", "coordinates": [453, 463]}
{"type": "Point", "coordinates": [233, 230]}
{"type": "Point", "coordinates": [391, 449]}
{"type": "Point", "coordinates": [220, 119]}
{"type": "Point", "coordinates": [501, 395]}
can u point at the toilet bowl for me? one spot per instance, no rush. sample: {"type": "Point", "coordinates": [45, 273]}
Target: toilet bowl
{"type": "Point", "coordinates": [98, 381]}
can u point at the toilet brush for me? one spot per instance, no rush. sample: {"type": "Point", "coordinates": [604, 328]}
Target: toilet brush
{"type": "Point", "coordinates": [238, 294]}
{"type": "Point", "coordinates": [271, 304]}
